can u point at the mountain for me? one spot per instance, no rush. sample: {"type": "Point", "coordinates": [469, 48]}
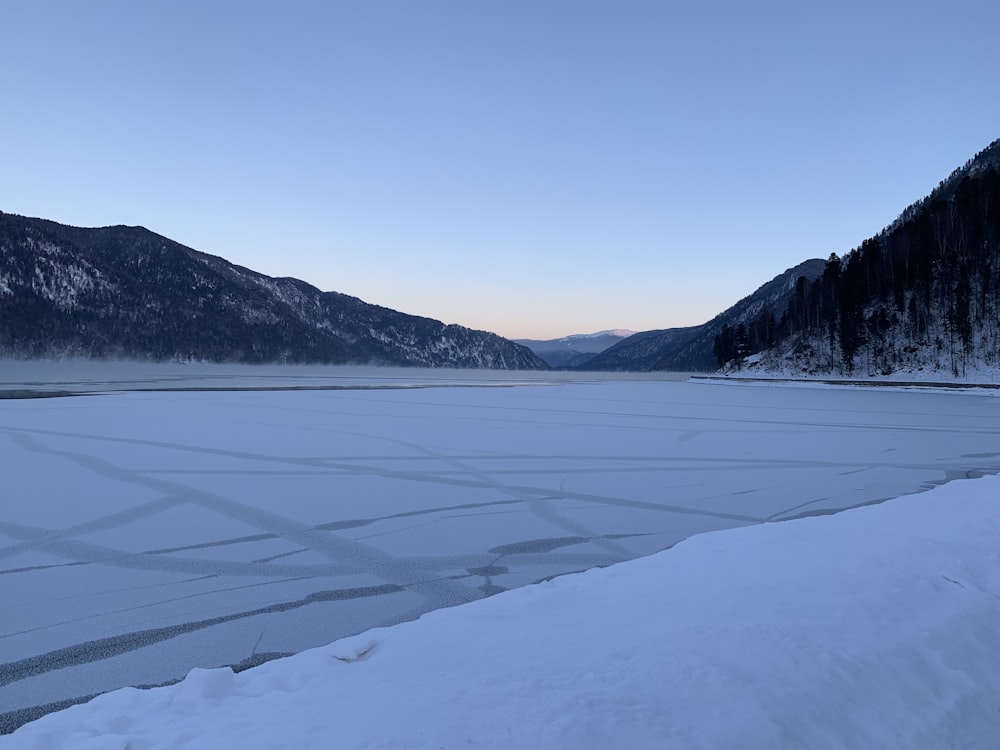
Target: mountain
{"type": "Point", "coordinates": [921, 296]}
{"type": "Point", "coordinates": [128, 292]}
{"type": "Point", "coordinates": [691, 349]}
{"type": "Point", "coordinates": [573, 350]}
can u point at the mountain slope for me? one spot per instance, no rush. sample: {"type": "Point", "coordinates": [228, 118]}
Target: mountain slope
{"type": "Point", "coordinates": [573, 350]}
{"type": "Point", "coordinates": [691, 348]}
{"type": "Point", "coordinates": [922, 295]}
{"type": "Point", "coordinates": [639, 352]}
{"type": "Point", "coordinates": [128, 292]}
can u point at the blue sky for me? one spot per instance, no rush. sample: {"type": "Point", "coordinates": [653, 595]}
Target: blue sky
{"type": "Point", "coordinates": [532, 168]}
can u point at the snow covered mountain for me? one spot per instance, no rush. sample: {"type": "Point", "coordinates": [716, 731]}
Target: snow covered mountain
{"type": "Point", "coordinates": [574, 350]}
{"type": "Point", "coordinates": [128, 292]}
{"type": "Point", "coordinates": [691, 348]}
{"type": "Point", "coordinates": [921, 297]}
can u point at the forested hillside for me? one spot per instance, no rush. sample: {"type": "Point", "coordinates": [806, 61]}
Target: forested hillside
{"type": "Point", "coordinates": [924, 294]}
{"type": "Point", "coordinates": [126, 292]}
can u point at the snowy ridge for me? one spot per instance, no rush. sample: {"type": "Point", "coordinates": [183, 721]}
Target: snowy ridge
{"type": "Point", "coordinates": [574, 350]}
{"type": "Point", "coordinates": [801, 634]}
{"type": "Point", "coordinates": [119, 291]}
{"type": "Point", "coordinates": [620, 333]}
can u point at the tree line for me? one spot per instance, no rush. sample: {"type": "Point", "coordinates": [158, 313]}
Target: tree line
{"type": "Point", "coordinates": [927, 289]}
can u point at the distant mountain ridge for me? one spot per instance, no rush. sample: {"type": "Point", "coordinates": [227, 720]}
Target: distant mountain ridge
{"type": "Point", "coordinates": [922, 295]}
{"type": "Point", "coordinates": [575, 349]}
{"type": "Point", "coordinates": [130, 293]}
{"type": "Point", "coordinates": [691, 349]}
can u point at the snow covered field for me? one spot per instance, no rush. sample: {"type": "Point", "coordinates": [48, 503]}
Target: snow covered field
{"type": "Point", "coordinates": [874, 628]}
{"type": "Point", "coordinates": [147, 533]}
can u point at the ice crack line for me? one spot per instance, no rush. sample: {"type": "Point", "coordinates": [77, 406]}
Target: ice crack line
{"type": "Point", "coordinates": [436, 591]}
{"type": "Point", "coordinates": [105, 648]}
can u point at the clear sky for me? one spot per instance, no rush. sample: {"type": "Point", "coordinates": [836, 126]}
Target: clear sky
{"type": "Point", "coordinates": [531, 167]}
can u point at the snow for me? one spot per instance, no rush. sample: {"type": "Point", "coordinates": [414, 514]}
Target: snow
{"type": "Point", "coordinates": [149, 533]}
{"type": "Point", "coordinates": [61, 283]}
{"type": "Point", "coordinates": [976, 372]}
{"type": "Point", "coordinates": [871, 628]}
{"type": "Point", "coordinates": [621, 333]}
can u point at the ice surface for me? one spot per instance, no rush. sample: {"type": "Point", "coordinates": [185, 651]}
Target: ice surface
{"type": "Point", "coordinates": [874, 628]}
{"type": "Point", "coordinates": [147, 533]}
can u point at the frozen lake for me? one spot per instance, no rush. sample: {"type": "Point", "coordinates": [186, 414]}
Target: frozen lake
{"type": "Point", "coordinates": [144, 533]}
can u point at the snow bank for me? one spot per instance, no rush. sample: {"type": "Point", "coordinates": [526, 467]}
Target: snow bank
{"type": "Point", "coordinates": [934, 371]}
{"type": "Point", "coordinates": [874, 628]}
